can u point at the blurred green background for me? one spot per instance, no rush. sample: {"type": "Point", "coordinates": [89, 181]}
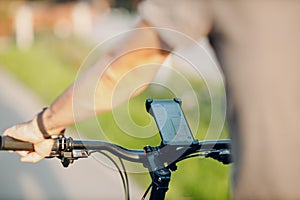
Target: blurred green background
{"type": "Point", "coordinates": [51, 64]}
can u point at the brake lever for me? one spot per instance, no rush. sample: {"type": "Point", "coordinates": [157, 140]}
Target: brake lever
{"type": "Point", "coordinates": [65, 152]}
{"type": "Point", "coordinates": [68, 157]}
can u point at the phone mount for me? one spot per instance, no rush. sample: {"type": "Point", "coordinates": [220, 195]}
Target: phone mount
{"type": "Point", "coordinates": [171, 122]}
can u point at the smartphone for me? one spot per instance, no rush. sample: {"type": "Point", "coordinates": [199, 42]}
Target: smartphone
{"type": "Point", "coordinates": [171, 122]}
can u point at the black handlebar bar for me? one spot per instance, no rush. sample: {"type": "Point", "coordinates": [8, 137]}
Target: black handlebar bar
{"type": "Point", "coordinates": [68, 144]}
{"type": "Point", "coordinates": [63, 144]}
{"type": "Point", "coordinates": [95, 145]}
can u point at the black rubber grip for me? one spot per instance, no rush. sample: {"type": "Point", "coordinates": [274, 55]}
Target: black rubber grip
{"type": "Point", "coordinates": [8, 143]}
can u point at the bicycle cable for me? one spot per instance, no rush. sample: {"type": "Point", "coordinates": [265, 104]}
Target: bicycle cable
{"type": "Point", "coordinates": [127, 194]}
{"type": "Point", "coordinates": [146, 192]}
{"type": "Point", "coordinates": [124, 180]}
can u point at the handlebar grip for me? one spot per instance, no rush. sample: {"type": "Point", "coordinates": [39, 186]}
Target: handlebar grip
{"type": "Point", "coordinates": [8, 143]}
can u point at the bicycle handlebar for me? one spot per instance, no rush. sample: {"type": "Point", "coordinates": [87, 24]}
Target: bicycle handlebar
{"type": "Point", "coordinates": [68, 144]}
{"type": "Point", "coordinates": [96, 145]}
{"type": "Point", "coordinates": [62, 144]}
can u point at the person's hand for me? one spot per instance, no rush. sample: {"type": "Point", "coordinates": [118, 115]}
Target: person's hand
{"type": "Point", "coordinates": [30, 132]}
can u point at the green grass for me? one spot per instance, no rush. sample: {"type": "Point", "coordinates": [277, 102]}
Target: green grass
{"type": "Point", "coordinates": [51, 65]}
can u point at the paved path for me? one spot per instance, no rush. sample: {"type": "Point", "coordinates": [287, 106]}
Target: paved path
{"type": "Point", "coordinates": [86, 179]}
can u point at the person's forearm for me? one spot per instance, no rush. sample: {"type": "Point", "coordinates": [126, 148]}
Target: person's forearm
{"type": "Point", "coordinates": [120, 74]}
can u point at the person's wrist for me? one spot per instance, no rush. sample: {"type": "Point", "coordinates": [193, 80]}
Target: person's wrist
{"type": "Point", "coordinates": [36, 136]}
{"type": "Point", "coordinates": [45, 126]}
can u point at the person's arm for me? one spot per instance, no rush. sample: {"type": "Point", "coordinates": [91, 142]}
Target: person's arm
{"type": "Point", "coordinates": [117, 68]}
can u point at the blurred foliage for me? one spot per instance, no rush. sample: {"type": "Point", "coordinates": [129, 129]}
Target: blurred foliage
{"type": "Point", "coordinates": [48, 67]}
{"type": "Point", "coordinates": [51, 65]}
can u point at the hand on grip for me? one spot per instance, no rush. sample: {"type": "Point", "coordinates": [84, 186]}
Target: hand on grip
{"type": "Point", "coordinates": [29, 132]}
